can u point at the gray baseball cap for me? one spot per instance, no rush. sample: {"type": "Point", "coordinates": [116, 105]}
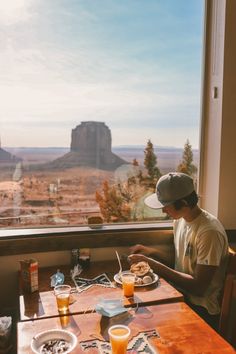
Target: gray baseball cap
{"type": "Point", "coordinates": [170, 187]}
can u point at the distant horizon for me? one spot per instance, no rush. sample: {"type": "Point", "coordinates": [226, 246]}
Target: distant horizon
{"type": "Point", "coordinates": [141, 146]}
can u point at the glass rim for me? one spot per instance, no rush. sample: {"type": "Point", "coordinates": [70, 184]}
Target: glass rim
{"type": "Point", "coordinates": [58, 289]}
{"type": "Point", "coordinates": [127, 272]}
{"type": "Point", "coordinates": [119, 326]}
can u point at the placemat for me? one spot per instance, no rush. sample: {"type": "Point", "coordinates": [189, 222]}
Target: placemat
{"type": "Point", "coordinates": [83, 284]}
{"type": "Point", "coordinates": [138, 344]}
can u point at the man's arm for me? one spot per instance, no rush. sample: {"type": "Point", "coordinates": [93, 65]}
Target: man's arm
{"type": "Point", "coordinates": [162, 253]}
{"type": "Point", "coordinates": [196, 284]}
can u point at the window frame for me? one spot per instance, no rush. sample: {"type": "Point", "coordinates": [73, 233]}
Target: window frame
{"type": "Point", "coordinates": [21, 241]}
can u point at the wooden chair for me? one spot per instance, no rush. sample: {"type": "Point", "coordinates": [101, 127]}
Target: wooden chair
{"type": "Point", "coordinates": [227, 324]}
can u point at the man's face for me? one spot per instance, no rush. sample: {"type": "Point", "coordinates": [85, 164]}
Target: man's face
{"type": "Point", "coordinates": [172, 212]}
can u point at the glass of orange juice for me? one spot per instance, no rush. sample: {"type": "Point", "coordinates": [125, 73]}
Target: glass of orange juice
{"type": "Point", "coordinates": [128, 280]}
{"type": "Point", "coordinates": [119, 337]}
{"type": "Point", "coordinates": [62, 293]}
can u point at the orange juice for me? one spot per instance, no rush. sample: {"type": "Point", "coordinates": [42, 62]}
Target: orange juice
{"type": "Point", "coordinates": [128, 288]}
{"type": "Point", "coordinates": [128, 280]}
{"type": "Point", "coordinates": [119, 336]}
{"type": "Point", "coordinates": [62, 302]}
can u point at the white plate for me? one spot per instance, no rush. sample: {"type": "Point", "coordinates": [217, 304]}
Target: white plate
{"type": "Point", "coordinates": [53, 334]}
{"type": "Point", "coordinates": [155, 279]}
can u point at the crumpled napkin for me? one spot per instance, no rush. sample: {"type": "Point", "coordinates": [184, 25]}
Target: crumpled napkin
{"type": "Point", "coordinates": [5, 325]}
{"type": "Point", "coordinates": [110, 307]}
{"type": "Point", "coordinates": [57, 279]}
{"type": "Point", "coordinates": [76, 271]}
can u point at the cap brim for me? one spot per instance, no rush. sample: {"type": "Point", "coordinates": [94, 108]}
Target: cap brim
{"type": "Point", "coordinates": [152, 202]}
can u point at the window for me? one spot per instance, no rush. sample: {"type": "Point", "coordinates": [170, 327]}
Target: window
{"type": "Point", "coordinates": [92, 93]}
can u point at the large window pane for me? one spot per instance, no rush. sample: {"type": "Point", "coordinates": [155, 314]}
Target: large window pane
{"type": "Point", "coordinates": [98, 100]}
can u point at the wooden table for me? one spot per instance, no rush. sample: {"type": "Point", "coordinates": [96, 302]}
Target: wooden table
{"type": "Point", "coordinates": [181, 330]}
{"type": "Point", "coordinates": [42, 304]}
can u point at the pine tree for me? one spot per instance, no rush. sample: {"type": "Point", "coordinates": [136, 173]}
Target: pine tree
{"type": "Point", "coordinates": [150, 162]}
{"type": "Point", "coordinates": [112, 205]}
{"type": "Point", "coordinates": [118, 202]}
{"type": "Point", "coordinates": [186, 165]}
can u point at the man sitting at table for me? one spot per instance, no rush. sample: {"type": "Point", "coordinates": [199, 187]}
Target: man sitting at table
{"type": "Point", "coordinates": [200, 246]}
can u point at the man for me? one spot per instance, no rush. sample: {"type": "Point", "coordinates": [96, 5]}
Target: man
{"type": "Point", "coordinates": [200, 246]}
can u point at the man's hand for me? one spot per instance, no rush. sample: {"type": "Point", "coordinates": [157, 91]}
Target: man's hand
{"type": "Point", "coordinates": [142, 249]}
{"type": "Point", "coordinates": [135, 258]}
{"type": "Point", "coordinates": [163, 254]}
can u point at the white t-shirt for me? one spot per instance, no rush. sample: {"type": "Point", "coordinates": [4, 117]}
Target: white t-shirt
{"type": "Point", "coordinates": [202, 241]}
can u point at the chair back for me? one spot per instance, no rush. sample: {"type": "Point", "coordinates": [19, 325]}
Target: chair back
{"type": "Point", "coordinates": [227, 324]}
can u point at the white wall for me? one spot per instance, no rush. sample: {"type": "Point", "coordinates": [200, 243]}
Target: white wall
{"type": "Point", "coordinates": [218, 145]}
{"type": "Point", "coordinates": [227, 188]}
{"type": "Point", "coordinates": [46, 259]}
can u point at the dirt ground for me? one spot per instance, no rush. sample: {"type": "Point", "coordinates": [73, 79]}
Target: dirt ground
{"type": "Point", "coordinates": [51, 197]}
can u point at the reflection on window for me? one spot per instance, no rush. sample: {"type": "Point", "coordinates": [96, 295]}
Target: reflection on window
{"type": "Point", "coordinates": [98, 101]}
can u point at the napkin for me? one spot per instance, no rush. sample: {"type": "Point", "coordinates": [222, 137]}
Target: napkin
{"type": "Point", "coordinates": [5, 331]}
{"type": "Point", "coordinates": [110, 307]}
{"type": "Point", "coordinates": [57, 279]}
{"type": "Point", "coordinates": [76, 271]}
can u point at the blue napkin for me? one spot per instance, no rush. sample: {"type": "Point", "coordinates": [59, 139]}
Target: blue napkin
{"type": "Point", "coordinates": [57, 279]}
{"type": "Point", "coordinates": [110, 307]}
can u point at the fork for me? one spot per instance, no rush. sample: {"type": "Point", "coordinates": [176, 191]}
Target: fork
{"type": "Point", "coordinates": [118, 258]}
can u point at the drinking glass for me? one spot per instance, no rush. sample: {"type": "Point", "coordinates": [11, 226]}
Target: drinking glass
{"type": "Point", "coordinates": [65, 321]}
{"type": "Point", "coordinates": [128, 280]}
{"type": "Point", "coordinates": [62, 293]}
{"type": "Point", "coordinates": [119, 337]}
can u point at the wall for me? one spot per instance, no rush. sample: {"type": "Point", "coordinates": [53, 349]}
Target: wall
{"type": "Point", "coordinates": [46, 259]}
{"type": "Point", "coordinates": [227, 188]}
{"type": "Point", "coordinates": [56, 249]}
{"type": "Point", "coordinates": [218, 143]}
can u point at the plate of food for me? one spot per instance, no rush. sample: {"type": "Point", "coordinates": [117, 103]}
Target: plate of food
{"type": "Point", "coordinates": [144, 275]}
{"type": "Point", "coordinates": [53, 341]}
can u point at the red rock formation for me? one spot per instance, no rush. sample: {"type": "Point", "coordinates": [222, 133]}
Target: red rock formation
{"type": "Point", "coordinates": [90, 146]}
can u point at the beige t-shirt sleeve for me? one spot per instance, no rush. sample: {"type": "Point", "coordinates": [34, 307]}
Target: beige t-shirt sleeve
{"type": "Point", "coordinates": [209, 248]}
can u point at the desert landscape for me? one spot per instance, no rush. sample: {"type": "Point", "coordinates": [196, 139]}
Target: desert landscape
{"type": "Point", "coordinates": [51, 198]}
{"type": "Point", "coordinates": [43, 198]}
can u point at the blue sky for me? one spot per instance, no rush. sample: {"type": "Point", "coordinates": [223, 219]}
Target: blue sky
{"type": "Point", "coordinates": [133, 64]}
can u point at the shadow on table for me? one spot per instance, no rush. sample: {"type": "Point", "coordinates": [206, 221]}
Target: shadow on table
{"type": "Point", "coordinates": [33, 305]}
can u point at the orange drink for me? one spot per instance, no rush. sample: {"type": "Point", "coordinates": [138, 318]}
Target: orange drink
{"type": "Point", "coordinates": [65, 321]}
{"type": "Point", "coordinates": [119, 337]}
{"type": "Point", "coordinates": [62, 293]}
{"type": "Point", "coordinates": [62, 302]}
{"type": "Point", "coordinates": [128, 280]}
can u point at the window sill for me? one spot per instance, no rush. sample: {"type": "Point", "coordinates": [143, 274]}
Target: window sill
{"type": "Point", "coordinates": [22, 241]}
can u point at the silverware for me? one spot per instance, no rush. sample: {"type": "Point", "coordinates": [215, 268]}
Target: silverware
{"type": "Point", "coordinates": [118, 258]}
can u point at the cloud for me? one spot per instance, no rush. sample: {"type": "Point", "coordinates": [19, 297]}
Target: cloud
{"type": "Point", "coordinates": [14, 11]}
{"type": "Point", "coordinates": [62, 65]}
